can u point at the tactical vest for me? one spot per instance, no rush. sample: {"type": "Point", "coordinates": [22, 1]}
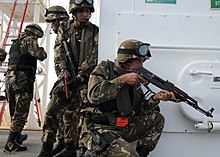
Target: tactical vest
{"type": "Point", "coordinates": [22, 62]}
{"type": "Point", "coordinates": [127, 102]}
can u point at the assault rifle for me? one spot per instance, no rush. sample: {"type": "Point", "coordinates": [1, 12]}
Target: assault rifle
{"type": "Point", "coordinates": [180, 95]}
{"type": "Point", "coordinates": [69, 74]}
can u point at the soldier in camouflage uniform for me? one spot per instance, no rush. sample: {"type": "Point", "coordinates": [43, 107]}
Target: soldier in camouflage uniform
{"type": "Point", "coordinates": [19, 81]}
{"type": "Point", "coordinates": [82, 38]}
{"type": "Point", "coordinates": [121, 112]}
{"type": "Point", "coordinates": [55, 15]}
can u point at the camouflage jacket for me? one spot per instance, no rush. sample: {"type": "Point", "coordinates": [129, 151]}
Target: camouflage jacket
{"type": "Point", "coordinates": [85, 57]}
{"type": "Point", "coordinates": [30, 45]}
{"type": "Point", "coordinates": [102, 88]}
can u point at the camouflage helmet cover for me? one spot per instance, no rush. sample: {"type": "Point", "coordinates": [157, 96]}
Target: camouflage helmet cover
{"type": "Point", "coordinates": [3, 54]}
{"type": "Point", "coordinates": [127, 45]}
{"type": "Point", "coordinates": [35, 29]}
{"type": "Point", "coordinates": [78, 4]}
{"type": "Point", "coordinates": [56, 12]}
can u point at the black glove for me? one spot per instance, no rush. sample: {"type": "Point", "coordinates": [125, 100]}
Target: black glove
{"type": "Point", "coordinates": [73, 83]}
{"type": "Point", "coordinates": [82, 76]}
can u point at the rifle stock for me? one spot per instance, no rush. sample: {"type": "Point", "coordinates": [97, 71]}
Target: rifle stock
{"type": "Point", "coordinates": [180, 95]}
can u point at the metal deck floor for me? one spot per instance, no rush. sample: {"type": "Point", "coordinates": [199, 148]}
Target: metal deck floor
{"type": "Point", "coordinates": [33, 144]}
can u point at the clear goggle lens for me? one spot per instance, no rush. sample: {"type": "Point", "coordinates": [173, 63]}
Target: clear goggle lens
{"type": "Point", "coordinates": [143, 49]}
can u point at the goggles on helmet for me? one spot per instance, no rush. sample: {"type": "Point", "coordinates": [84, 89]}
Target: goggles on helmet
{"type": "Point", "coordinates": [142, 50]}
{"type": "Point", "coordinates": [51, 21]}
{"type": "Point", "coordinates": [78, 2]}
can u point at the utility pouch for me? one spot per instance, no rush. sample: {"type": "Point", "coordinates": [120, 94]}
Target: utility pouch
{"type": "Point", "coordinates": [59, 92]}
{"type": "Point", "coordinates": [123, 102]}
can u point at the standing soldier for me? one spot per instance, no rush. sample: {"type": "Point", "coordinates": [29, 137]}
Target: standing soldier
{"type": "Point", "coordinates": [55, 15]}
{"type": "Point", "coordinates": [19, 81]}
{"type": "Point", "coordinates": [82, 38]}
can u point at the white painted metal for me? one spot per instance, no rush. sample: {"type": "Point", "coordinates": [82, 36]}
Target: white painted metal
{"type": "Point", "coordinates": [186, 51]}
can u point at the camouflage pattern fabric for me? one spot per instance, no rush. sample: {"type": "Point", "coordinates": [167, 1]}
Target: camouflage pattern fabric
{"type": "Point", "coordinates": [85, 58]}
{"type": "Point", "coordinates": [59, 108]}
{"type": "Point", "coordinates": [145, 126]}
{"type": "Point", "coordinates": [20, 84]}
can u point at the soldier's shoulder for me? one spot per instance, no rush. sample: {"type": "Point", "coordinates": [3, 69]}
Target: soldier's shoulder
{"type": "Point", "coordinates": [93, 26]}
{"type": "Point", "coordinates": [65, 24]}
{"type": "Point", "coordinates": [106, 63]}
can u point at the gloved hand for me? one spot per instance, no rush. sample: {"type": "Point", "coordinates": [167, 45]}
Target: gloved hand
{"type": "Point", "coordinates": [73, 83]}
{"type": "Point", "coordinates": [82, 76]}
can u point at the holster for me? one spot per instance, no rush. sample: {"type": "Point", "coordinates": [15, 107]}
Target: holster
{"type": "Point", "coordinates": [100, 141]}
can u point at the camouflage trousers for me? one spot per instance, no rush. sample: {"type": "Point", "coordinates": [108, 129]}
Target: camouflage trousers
{"type": "Point", "coordinates": [19, 92]}
{"type": "Point", "coordinates": [61, 113]}
{"type": "Point", "coordinates": [146, 129]}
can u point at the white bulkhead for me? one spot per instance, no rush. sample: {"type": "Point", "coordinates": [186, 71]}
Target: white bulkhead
{"type": "Point", "coordinates": [184, 36]}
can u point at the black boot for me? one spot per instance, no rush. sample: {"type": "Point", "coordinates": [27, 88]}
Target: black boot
{"type": "Point", "coordinates": [142, 152]}
{"type": "Point", "coordinates": [21, 138]}
{"type": "Point", "coordinates": [46, 150]}
{"type": "Point", "coordinates": [68, 151]}
{"type": "Point", "coordinates": [11, 144]}
{"type": "Point", "coordinates": [59, 147]}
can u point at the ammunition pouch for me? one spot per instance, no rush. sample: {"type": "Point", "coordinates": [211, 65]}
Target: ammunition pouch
{"type": "Point", "coordinates": [59, 92]}
{"type": "Point", "coordinates": [123, 102]}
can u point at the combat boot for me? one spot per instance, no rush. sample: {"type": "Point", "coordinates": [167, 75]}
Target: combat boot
{"type": "Point", "coordinates": [21, 138]}
{"type": "Point", "coordinates": [46, 150]}
{"type": "Point", "coordinates": [59, 147]}
{"type": "Point", "coordinates": [11, 144]}
{"type": "Point", "coordinates": [142, 152]}
{"type": "Point", "coordinates": [68, 151]}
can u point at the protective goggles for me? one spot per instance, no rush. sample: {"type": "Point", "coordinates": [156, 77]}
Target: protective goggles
{"type": "Point", "coordinates": [51, 21]}
{"type": "Point", "coordinates": [79, 2]}
{"type": "Point", "coordinates": [142, 50]}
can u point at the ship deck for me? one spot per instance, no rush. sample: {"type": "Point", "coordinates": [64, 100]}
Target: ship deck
{"type": "Point", "coordinates": [33, 144]}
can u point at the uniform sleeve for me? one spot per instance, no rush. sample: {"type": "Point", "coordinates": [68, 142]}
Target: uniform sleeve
{"type": "Point", "coordinates": [91, 60]}
{"type": "Point", "coordinates": [30, 45]}
{"type": "Point", "coordinates": [100, 88]}
{"type": "Point", "coordinates": [59, 53]}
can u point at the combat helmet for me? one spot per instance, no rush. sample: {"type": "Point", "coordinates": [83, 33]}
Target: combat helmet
{"type": "Point", "coordinates": [56, 12]}
{"type": "Point", "coordinates": [77, 4]}
{"type": "Point", "coordinates": [132, 48]}
{"type": "Point", "coordinates": [3, 54]}
{"type": "Point", "coordinates": [34, 29]}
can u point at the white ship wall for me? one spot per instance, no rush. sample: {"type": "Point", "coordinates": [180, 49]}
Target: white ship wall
{"type": "Point", "coordinates": [186, 51]}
